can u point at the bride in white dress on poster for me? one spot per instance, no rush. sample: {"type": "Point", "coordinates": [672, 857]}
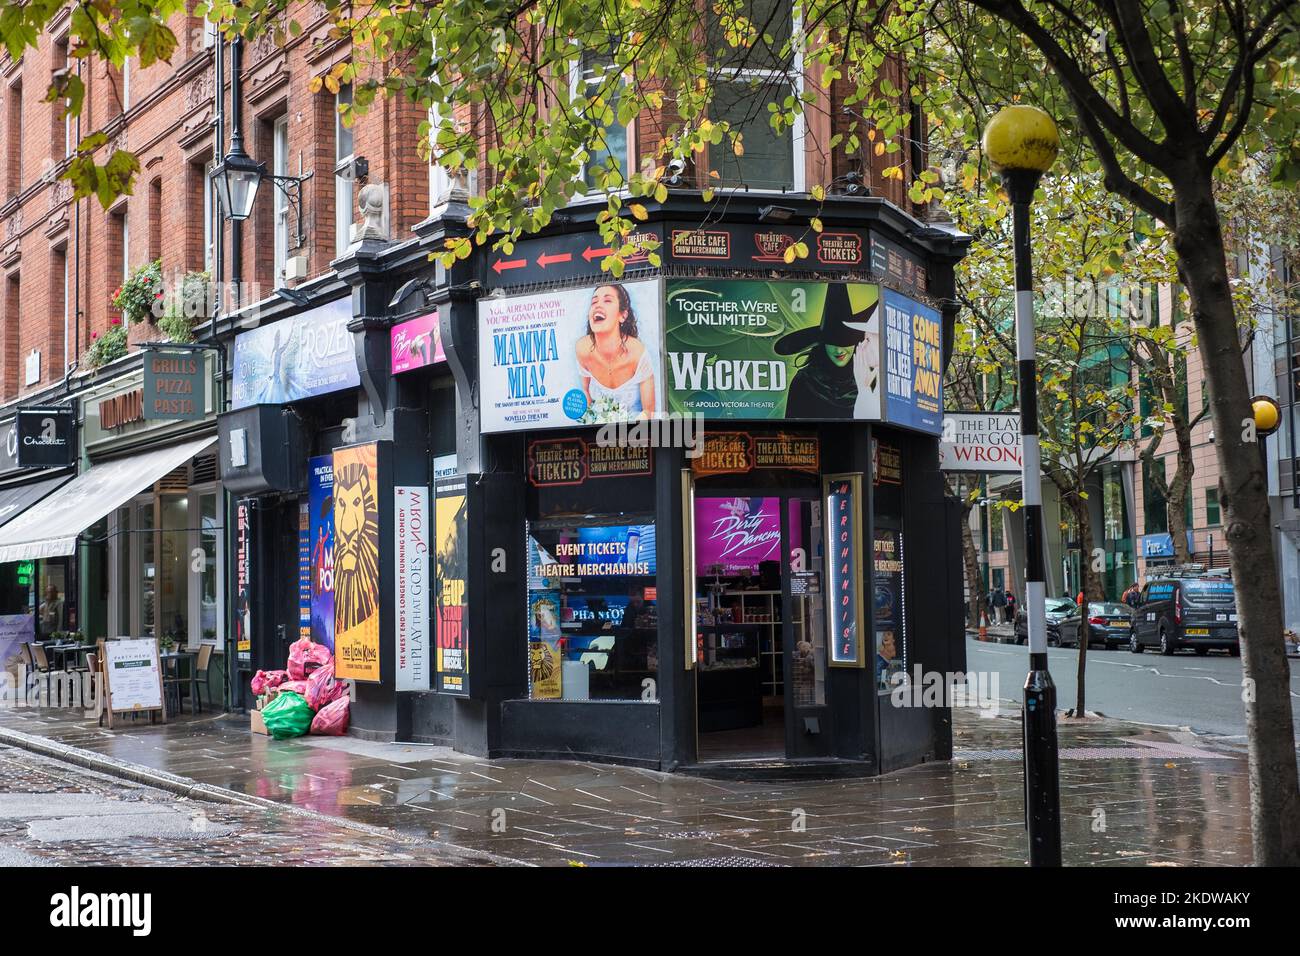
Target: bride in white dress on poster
{"type": "Point", "coordinates": [617, 371]}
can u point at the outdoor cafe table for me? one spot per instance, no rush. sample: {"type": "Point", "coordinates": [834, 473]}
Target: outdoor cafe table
{"type": "Point", "coordinates": [170, 663]}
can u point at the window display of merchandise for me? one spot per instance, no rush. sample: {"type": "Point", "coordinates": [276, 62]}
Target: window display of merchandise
{"type": "Point", "coordinates": [593, 623]}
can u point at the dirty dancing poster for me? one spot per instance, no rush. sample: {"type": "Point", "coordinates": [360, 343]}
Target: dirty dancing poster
{"type": "Point", "coordinates": [356, 562]}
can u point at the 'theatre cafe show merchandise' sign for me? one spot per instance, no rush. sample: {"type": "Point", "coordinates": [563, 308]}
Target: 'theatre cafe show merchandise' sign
{"type": "Point", "coordinates": [583, 356]}
{"type": "Point", "coordinates": [739, 453]}
{"type": "Point", "coordinates": [572, 461]}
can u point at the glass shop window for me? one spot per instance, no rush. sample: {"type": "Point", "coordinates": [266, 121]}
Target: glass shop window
{"type": "Point", "coordinates": [593, 630]}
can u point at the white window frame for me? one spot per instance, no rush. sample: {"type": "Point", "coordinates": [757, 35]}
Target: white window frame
{"type": "Point", "coordinates": [196, 495]}
{"type": "Point", "coordinates": [209, 34]}
{"type": "Point", "coordinates": [126, 244]}
{"type": "Point", "coordinates": [344, 198]}
{"type": "Point", "coordinates": [440, 182]}
{"type": "Point", "coordinates": [798, 131]}
{"type": "Point", "coordinates": [126, 84]}
{"type": "Point", "coordinates": [576, 81]}
{"type": "Point", "coordinates": [280, 167]}
{"type": "Point", "coordinates": [209, 213]}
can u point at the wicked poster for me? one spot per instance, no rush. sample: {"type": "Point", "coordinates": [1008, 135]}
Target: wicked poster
{"type": "Point", "coordinates": [748, 349]}
{"type": "Point", "coordinates": [356, 562]}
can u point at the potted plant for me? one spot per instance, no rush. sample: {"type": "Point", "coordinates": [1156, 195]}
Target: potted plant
{"type": "Point", "coordinates": [136, 296]}
{"type": "Point", "coordinates": [187, 306]}
{"type": "Point", "coordinates": [108, 346]}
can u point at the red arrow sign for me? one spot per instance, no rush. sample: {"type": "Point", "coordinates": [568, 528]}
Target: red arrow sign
{"type": "Point", "coordinates": [590, 253]}
{"type": "Point", "coordinates": [546, 260]}
{"type": "Point", "coordinates": [501, 265]}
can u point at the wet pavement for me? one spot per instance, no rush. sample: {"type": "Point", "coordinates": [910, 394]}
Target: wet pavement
{"type": "Point", "coordinates": [56, 814]}
{"type": "Point", "coordinates": [1130, 796]}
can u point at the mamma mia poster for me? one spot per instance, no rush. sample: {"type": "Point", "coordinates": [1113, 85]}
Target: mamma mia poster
{"type": "Point", "coordinates": [574, 357]}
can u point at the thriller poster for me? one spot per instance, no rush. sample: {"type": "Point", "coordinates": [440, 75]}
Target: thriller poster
{"type": "Point", "coordinates": [356, 562]}
{"type": "Point", "coordinates": [451, 552]}
{"type": "Point", "coordinates": [243, 580]}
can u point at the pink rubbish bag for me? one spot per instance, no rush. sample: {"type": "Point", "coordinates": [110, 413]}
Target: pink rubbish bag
{"type": "Point", "coordinates": [323, 688]}
{"type": "Point", "coordinates": [258, 684]}
{"type": "Point", "coordinates": [275, 678]}
{"type": "Point", "coordinates": [305, 657]}
{"type": "Point", "coordinates": [332, 719]}
{"type": "Point", "coordinates": [295, 687]}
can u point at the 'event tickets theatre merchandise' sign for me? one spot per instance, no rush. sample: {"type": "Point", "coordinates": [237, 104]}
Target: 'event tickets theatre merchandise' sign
{"type": "Point", "coordinates": [804, 351]}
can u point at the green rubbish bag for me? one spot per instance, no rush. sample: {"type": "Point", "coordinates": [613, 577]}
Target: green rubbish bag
{"type": "Point", "coordinates": [288, 715]}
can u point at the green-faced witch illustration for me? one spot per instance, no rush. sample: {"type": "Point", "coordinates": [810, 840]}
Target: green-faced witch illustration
{"type": "Point", "coordinates": [839, 371]}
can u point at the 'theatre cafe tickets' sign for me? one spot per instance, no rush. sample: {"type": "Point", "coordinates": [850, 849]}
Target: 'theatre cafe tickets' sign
{"type": "Point", "coordinates": [173, 386]}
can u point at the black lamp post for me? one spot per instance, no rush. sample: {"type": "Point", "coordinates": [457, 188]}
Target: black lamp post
{"type": "Point", "coordinates": [1021, 143]}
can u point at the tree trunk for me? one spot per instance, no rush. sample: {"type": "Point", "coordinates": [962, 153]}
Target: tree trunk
{"type": "Point", "coordinates": [1179, 488]}
{"type": "Point", "coordinates": [1091, 590]}
{"type": "Point", "coordinates": [978, 592]}
{"type": "Point", "coordinates": [1274, 789]}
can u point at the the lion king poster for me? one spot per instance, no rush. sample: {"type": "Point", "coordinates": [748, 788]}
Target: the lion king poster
{"type": "Point", "coordinates": [356, 562]}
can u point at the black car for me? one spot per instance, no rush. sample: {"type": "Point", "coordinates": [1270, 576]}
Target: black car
{"type": "Point", "coordinates": [1109, 623]}
{"type": "Point", "coordinates": [1195, 612]}
{"type": "Point", "coordinates": [1057, 609]}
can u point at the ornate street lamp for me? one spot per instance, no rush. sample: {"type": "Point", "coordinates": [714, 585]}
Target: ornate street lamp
{"type": "Point", "coordinates": [237, 177]}
{"type": "Point", "coordinates": [1021, 143]}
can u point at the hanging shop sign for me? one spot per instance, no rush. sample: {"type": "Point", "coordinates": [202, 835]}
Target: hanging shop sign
{"type": "Point", "coordinates": [890, 621]}
{"type": "Point", "coordinates": [295, 358]}
{"type": "Point", "coordinates": [556, 258]}
{"type": "Point", "coordinates": [46, 437]}
{"type": "Point", "coordinates": [416, 343]}
{"type": "Point", "coordinates": [980, 441]}
{"type": "Point", "coordinates": [320, 504]}
{"type": "Point", "coordinates": [451, 555]}
{"type": "Point", "coordinates": [356, 562]}
{"type": "Point", "coordinates": [843, 495]}
{"type": "Point", "coordinates": [243, 580]}
{"type": "Point", "coordinates": [173, 386]}
{"type": "Point", "coordinates": [739, 453]}
{"type": "Point", "coordinates": [751, 349]}
{"type": "Point", "coordinates": [573, 461]}
{"type": "Point", "coordinates": [412, 582]}
{"type": "Point", "coordinates": [753, 246]}
{"type": "Point", "coordinates": [579, 356]}
{"type": "Point", "coordinates": [735, 535]}
{"type": "Point", "coordinates": [913, 364]}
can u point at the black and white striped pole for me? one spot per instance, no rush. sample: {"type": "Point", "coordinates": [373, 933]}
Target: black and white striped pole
{"type": "Point", "coordinates": [1021, 143]}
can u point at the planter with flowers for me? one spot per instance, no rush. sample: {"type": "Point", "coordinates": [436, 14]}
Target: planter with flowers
{"type": "Point", "coordinates": [136, 297]}
{"type": "Point", "coordinates": [188, 305]}
{"type": "Point", "coordinates": [107, 346]}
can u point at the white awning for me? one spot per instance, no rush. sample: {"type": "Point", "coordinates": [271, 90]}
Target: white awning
{"type": "Point", "coordinates": [49, 529]}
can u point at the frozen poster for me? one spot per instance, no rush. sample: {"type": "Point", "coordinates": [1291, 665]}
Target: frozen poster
{"type": "Point", "coordinates": [736, 533]}
{"type": "Point", "coordinates": [295, 358]}
{"type": "Point", "coordinates": [320, 504]}
{"type": "Point", "coordinates": [584, 356]}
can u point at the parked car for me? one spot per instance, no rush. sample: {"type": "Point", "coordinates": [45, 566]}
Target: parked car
{"type": "Point", "coordinates": [1057, 609]}
{"type": "Point", "coordinates": [1195, 612]}
{"type": "Point", "coordinates": [1109, 623]}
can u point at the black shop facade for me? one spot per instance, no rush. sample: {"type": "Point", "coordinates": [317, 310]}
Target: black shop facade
{"type": "Point", "coordinates": [693, 517]}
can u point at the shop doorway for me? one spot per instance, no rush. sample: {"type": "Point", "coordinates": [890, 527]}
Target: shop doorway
{"type": "Point", "coordinates": [760, 627]}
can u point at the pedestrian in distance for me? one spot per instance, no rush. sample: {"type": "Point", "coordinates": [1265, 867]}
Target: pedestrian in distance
{"type": "Point", "coordinates": [999, 605]}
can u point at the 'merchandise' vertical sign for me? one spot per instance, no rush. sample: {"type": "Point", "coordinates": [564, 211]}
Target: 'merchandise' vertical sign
{"type": "Point", "coordinates": [412, 580]}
